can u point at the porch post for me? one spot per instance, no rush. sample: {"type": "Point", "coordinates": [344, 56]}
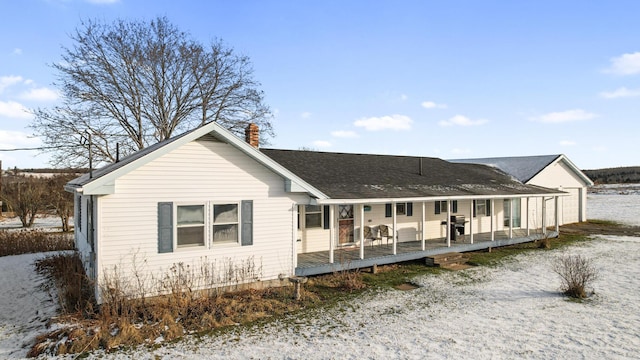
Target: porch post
{"type": "Point", "coordinates": [294, 236]}
{"type": "Point", "coordinates": [493, 236]}
{"type": "Point", "coordinates": [471, 222]}
{"type": "Point", "coordinates": [424, 232]}
{"type": "Point", "coordinates": [361, 231]}
{"type": "Point", "coordinates": [511, 218]}
{"type": "Point", "coordinates": [448, 223]}
{"type": "Point", "coordinates": [557, 214]}
{"type": "Point", "coordinates": [544, 216]}
{"type": "Point", "coordinates": [393, 230]}
{"type": "Point", "coordinates": [332, 232]}
{"type": "Point", "coordinates": [528, 227]}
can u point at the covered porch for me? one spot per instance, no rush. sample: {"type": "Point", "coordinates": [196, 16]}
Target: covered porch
{"type": "Point", "coordinates": [355, 257]}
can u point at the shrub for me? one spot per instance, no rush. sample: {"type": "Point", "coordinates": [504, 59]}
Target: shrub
{"type": "Point", "coordinates": [576, 273]}
{"type": "Point", "coordinates": [33, 241]}
{"type": "Point", "coordinates": [67, 275]}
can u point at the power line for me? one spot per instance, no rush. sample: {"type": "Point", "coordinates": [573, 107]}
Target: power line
{"type": "Point", "coordinates": [33, 148]}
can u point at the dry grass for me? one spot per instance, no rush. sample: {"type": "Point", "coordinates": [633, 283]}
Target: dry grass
{"type": "Point", "coordinates": [122, 321]}
{"type": "Point", "coordinates": [28, 241]}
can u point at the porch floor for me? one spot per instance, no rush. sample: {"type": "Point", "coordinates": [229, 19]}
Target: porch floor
{"type": "Point", "coordinates": [346, 258]}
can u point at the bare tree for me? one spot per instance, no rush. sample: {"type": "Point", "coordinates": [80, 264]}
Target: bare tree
{"type": "Point", "coordinates": [59, 200]}
{"type": "Point", "coordinates": [136, 83]}
{"type": "Point", "coordinates": [25, 196]}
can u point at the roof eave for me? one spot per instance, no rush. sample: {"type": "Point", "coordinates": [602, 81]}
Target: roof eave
{"type": "Point", "coordinates": [434, 198]}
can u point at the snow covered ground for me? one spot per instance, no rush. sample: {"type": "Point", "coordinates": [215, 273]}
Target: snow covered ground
{"type": "Point", "coordinates": [513, 311]}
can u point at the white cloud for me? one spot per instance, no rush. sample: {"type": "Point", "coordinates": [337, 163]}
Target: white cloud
{"type": "Point", "coordinates": [344, 134]}
{"type": "Point", "coordinates": [14, 109]}
{"type": "Point", "coordinates": [433, 105]}
{"type": "Point", "coordinates": [564, 116]}
{"type": "Point", "coordinates": [16, 51]}
{"type": "Point", "coordinates": [15, 139]}
{"type": "Point", "coordinates": [40, 94]}
{"type": "Point", "coordinates": [389, 122]}
{"type": "Point", "coordinates": [567, 143]}
{"type": "Point", "coordinates": [625, 64]}
{"type": "Point", "coordinates": [6, 81]}
{"type": "Point", "coordinates": [460, 120]}
{"type": "Point", "coordinates": [404, 97]}
{"type": "Point", "coordinates": [305, 115]}
{"type": "Point", "coordinates": [620, 93]}
{"type": "Point", "coordinates": [321, 144]}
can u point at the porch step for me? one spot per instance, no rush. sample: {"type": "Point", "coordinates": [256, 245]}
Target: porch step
{"type": "Point", "coordinates": [447, 259]}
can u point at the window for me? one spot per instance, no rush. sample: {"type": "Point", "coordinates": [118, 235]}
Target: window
{"type": "Point", "coordinates": [441, 206]}
{"type": "Point", "coordinates": [401, 209]}
{"type": "Point", "coordinates": [225, 223]}
{"type": "Point", "coordinates": [190, 225]}
{"type": "Point", "coordinates": [481, 207]}
{"type": "Point", "coordinates": [312, 216]}
{"type": "Point", "coordinates": [185, 226]}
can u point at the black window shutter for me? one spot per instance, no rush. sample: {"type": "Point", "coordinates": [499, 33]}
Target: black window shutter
{"type": "Point", "coordinates": [409, 209]}
{"type": "Point", "coordinates": [387, 210]}
{"type": "Point", "coordinates": [488, 207]}
{"type": "Point", "coordinates": [454, 206]}
{"type": "Point", "coordinates": [165, 227]}
{"type": "Point", "coordinates": [437, 207]}
{"type": "Point", "coordinates": [474, 208]}
{"type": "Point", "coordinates": [327, 221]}
{"type": "Point", "coordinates": [247, 222]}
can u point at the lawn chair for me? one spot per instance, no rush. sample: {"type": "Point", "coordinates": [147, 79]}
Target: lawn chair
{"type": "Point", "coordinates": [386, 232]}
{"type": "Point", "coordinates": [371, 235]}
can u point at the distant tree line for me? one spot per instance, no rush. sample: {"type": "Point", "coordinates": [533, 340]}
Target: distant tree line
{"type": "Point", "coordinates": [618, 175]}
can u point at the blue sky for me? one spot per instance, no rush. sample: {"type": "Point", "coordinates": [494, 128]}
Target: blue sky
{"type": "Point", "coordinates": [448, 79]}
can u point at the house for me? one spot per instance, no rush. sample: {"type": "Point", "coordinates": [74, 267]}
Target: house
{"type": "Point", "coordinates": [551, 171]}
{"type": "Point", "coordinates": [209, 208]}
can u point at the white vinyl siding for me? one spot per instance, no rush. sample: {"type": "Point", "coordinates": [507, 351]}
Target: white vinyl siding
{"type": "Point", "coordinates": [199, 172]}
{"type": "Point", "coordinates": [560, 176]}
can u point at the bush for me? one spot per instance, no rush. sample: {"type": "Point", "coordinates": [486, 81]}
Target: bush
{"type": "Point", "coordinates": [67, 275]}
{"type": "Point", "coordinates": [577, 273]}
{"type": "Point", "coordinates": [33, 241]}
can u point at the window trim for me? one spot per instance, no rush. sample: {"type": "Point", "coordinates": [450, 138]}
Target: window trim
{"type": "Point", "coordinates": [176, 244]}
{"type": "Point", "coordinates": [238, 223]}
{"type": "Point", "coordinates": [486, 204]}
{"type": "Point", "coordinates": [319, 212]}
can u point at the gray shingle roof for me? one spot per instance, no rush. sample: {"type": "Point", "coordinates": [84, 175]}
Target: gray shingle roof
{"type": "Point", "coordinates": [362, 176]}
{"type": "Point", "coordinates": [523, 168]}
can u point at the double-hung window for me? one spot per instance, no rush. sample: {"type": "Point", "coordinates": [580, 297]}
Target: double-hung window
{"type": "Point", "coordinates": [190, 225]}
{"type": "Point", "coordinates": [312, 216]}
{"type": "Point", "coordinates": [225, 223]}
{"type": "Point", "coordinates": [481, 207]}
{"type": "Point", "coordinates": [441, 206]}
{"type": "Point", "coordinates": [204, 225]}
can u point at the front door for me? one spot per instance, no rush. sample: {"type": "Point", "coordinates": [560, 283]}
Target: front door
{"type": "Point", "coordinates": [345, 224]}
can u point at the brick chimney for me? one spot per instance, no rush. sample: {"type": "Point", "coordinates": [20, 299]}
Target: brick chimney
{"type": "Point", "coordinates": [252, 135]}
